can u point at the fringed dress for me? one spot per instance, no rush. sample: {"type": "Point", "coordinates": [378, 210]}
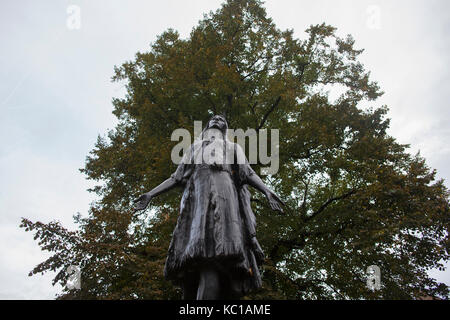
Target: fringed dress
{"type": "Point", "coordinates": [216, 222]}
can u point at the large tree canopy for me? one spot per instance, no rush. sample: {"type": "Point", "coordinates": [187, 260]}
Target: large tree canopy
{"type": "Point", "coordinates": [354, 196]}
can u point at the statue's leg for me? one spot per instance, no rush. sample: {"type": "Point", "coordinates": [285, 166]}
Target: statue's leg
{"type": "Point", "coordinates": [190, 287]}
{"type": "Point", "coordinates": [232, 287]}
{"type": "Point", "coordinates": [209, 284]}
{"type": "Point", "coordinates": [235, 289]}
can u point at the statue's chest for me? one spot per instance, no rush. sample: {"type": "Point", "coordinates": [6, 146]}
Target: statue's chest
{"type": "Point", "coordinates": [213, 152]}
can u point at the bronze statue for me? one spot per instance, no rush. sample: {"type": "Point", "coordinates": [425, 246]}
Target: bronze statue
{"type": "Point", "coordinates": [214, 253]}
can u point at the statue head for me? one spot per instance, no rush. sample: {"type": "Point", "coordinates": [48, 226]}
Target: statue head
{"type": "Point", "coordinates": [218, 122]}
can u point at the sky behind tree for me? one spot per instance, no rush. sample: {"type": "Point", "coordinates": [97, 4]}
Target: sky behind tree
{"type": "Point", "coordinates": [55, 94]}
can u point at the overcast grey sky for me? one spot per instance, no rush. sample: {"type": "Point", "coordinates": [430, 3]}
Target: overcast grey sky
{"type": "Point", "coordinates": [55, 94]}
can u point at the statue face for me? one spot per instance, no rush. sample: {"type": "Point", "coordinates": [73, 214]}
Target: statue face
{"type": "Point", "coordinates": [217, 122]}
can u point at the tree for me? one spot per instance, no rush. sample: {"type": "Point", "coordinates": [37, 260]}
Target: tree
{"type": "Point", "coordinates": [354, 196]}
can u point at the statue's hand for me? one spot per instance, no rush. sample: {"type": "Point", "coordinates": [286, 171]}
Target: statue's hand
{"type": "Point", "coordinates": [142, 202]}
{"type": "Point", "coordinates": [274, 201]}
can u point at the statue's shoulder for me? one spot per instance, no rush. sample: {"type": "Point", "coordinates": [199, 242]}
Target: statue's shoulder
{"type": "Point", "coordinates": [238, 152]}
{"type": "Point", "coordinates": [236, 146]}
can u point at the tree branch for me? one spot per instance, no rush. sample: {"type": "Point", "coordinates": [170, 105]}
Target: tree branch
{"type": "Point", "coordinates": [329, 201]}
{"type": "Point", "coordinates": [269, 112]}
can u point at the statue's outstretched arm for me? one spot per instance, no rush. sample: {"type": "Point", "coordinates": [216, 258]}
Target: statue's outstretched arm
{"type": "Point", "coordinates": [275, 202]}
{"type": "Point", "coordinates": [142, 202]}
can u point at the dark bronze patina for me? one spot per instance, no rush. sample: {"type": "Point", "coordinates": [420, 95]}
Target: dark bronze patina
{"type": "Point", "coordinates": [214, 253]}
